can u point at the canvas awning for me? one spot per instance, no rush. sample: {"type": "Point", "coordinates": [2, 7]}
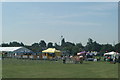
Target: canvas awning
{"type": "Point", "coordinates": [51, 50]}
{"type": "Point", "coordinates": [111, 53]}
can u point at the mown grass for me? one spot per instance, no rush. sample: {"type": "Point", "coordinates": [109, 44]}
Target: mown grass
{"type": "Point", "coordinates": [13, 68]}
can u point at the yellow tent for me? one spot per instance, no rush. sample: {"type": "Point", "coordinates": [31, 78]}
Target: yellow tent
{"type": "Point", "coordinates": [51, 50]}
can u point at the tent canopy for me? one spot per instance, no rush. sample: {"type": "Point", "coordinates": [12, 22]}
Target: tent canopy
{"type": "Point", "coordinates": [111, 53]}
{"type": "Point", "coordinates": [16, 49]}
{"type": "Point", "coordinates": [51, 50]}
{"type": "Point", "coordinates": [9, 48]}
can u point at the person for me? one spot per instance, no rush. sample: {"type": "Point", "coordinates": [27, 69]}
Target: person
{"type": "Point", "coordinates": [119, 59]}
{"type": "Point", "coordinates": [95, 59]}
{"type": "Point", "coordinates": [114, 60]}
{"type": "Point", "coordinates": [64, 59]}
{"type": "Point", "coordinates": [109, 59]}
{"type": "Point", "coordinates": [99, 58]}
{"type": "Point", "coordinates": [70, 58]}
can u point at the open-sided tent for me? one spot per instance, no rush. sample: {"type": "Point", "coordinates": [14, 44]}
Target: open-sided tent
{"type": "Point", "coordinates": [82, 53]}
{"type": "Point", "coordinates": [111, 53]}
{"type": "Point", "coordinates": [51, 52]}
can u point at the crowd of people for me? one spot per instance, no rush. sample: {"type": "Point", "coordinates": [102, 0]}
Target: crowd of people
{"type": "Point", "coordinates": [112, 58]}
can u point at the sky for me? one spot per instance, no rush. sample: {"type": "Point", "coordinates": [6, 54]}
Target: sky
{"type": "Point", "coordinates": [30, 22]}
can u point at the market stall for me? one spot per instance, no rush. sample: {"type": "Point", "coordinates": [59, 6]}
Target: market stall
{"type": "Point", "coordinates": [50, 53]}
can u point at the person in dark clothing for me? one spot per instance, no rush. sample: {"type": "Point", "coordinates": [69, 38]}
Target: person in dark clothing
{"type": "Point", "coordinates": [119, 59]}
{"type": "Point", "coordinates": [64, 59]}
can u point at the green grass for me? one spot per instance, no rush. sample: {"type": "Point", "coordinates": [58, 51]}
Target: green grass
{"type": "Point", "coordinates": [13, 68]}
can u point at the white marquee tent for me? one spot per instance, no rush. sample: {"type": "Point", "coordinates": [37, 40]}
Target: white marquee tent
{"type": "Point", "coordinates": [111, 53]}
{"type": "Point", "coordinates": [11, 51]}
{"type": "Point", "coordinates": [14, 49]}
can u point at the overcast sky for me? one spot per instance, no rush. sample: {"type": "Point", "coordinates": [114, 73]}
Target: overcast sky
{"type": "Point", "coordinates": [30, 22]}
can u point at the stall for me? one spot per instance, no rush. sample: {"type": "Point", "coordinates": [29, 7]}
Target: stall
{"type": "Point", "coordinates": [50, 53]}
{"type": "Point", "coordinates": [111, 56]}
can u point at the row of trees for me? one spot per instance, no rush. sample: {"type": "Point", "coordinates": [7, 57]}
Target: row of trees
{"type": "Point", "coordinates": [67, 47]}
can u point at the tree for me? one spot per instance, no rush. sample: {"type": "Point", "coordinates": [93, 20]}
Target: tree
{"type": "Point", "coordinates": [96, 46]}
{"type": "Point", "coordinates": [36, 47]}
{"type": "Point", "coordinates": [42, 44]}
{"type": "Point", "coordinates": [50, 45]}
{"type": "Point", "coordinates": [90, 41]}
{"type": "Point", "coordinates": [63, 42]}
{"type": "Point", "coordinates": [75, 50]}
{"type": "Point", "coordinates": [106, 47]}
{"type": "Point", "coordinates": [80, 46]}
{"type": "Point", "coordinates": [5, 45]}
{"type": "Point", "coordinates": [89, 45]}
{"type": "Point", "coordinates": [68, 48]}
{"type": "Point", "coordinates": [57, 46]}
{"type": "Point", "coordinates": [92, 46]}
{"type": "Point", "coordinates": [22, 44]}
{"type": "Point", "coordinates": [14, 44]}
{"type": "Point", "coordinates": [69, 44]}
{"type": "Point", "coordinates": [117, 47]}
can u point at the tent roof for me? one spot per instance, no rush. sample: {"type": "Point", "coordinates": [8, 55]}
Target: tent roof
{"type": "Point", "coordinates": [9, 48]}
{"type": "Point", "coordinates": [51, 50]}
{"type": "Point", "coordinates": [111, 53]}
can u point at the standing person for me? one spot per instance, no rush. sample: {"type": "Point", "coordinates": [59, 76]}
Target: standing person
{"type": "Point", "coordinates": [119, 58]}
{"type": "Point", "coordinates": [64, 59]}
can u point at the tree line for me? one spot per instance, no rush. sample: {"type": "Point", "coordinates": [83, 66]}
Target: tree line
{"type": "Point", "coordinates": [67, 47]}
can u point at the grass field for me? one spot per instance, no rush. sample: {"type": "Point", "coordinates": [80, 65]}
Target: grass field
{"type": "Point", "coordinates": [13, 68]}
